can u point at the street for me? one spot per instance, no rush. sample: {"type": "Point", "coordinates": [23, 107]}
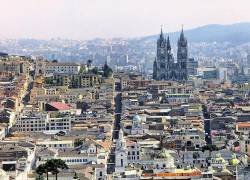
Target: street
{"type": "Point", "coordinates": [115, 135]}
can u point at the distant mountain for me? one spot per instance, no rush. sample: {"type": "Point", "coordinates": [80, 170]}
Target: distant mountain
{"type": "Point", "coordinates": [235, 33]}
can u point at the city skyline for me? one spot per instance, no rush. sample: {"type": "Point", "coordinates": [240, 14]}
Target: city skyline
{"type": "Point", "coordinates": [109, 19]}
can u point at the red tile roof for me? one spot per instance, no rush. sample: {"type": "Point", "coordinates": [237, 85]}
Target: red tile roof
{"type": "Point", "coordinates": [60, 105]}
{"type": "Point", "coordinates": [243, 124]}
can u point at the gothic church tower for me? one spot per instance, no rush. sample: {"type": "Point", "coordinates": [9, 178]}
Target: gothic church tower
{"type": "Point", "coordinates": [182, 56]}
{"type": "Point", "coordinates": [164, 67]}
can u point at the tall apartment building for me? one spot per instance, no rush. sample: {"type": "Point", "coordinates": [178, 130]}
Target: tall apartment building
{"type": "Point", "coordinates": [32, 122]}
{"type": "Point", "coordinates": [17, 67]}
{"type": "Point", "coordinates": [39, 122]}
{"type": "Point", "coordinates": [60, 121]}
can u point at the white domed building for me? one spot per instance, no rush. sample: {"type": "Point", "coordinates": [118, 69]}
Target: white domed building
{"type": "Point", "coordinates": [137, 128]}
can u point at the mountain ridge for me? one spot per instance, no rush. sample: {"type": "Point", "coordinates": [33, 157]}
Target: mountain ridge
{"type": "Point", "coordinates": [237, 33]}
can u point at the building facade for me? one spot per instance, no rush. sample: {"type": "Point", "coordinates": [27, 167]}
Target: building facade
{"type": "Point", "coordinates": [165, 68]}
{"type": "Point", "coordinates": [40, 122]}
{"type": "Point", "coordinates": [66, 68]}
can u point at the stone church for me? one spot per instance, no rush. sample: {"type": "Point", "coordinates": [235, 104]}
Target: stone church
{"type": "Point", "coordinates": [165, 68]}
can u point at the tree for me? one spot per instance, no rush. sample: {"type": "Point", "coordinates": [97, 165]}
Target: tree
{"type": "Point", "coordinates": [40, 170]}
{"type": "Point", "coordinates": [173, 122]}
{"type": "Point", "coordinates": [210, 147]}
{"type": "Point", "coordinates": [78, 142]}
{"type": "Point", "coordinates": [48, 80]}
{"type": "Point", "coordinates": [95, 70]}
{"type": "Point", "coordinates": [107, 71]}
{"type": "Point", "coordinates": [75, 176]}
{"type": "Point", "coordinates": [82, 69]}
{"type": "Point", "coordinates": [55, 165]}
{"type": "Point", "coordinates": [196, 155]}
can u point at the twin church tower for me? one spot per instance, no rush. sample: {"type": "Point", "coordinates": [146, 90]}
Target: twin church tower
{"type": "Point", "coordinates": [165, 68]}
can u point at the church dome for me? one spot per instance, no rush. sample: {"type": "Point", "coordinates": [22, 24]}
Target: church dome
{"type": "Point", "coordinates": [225, 170]}
{"type": "Point", "coordinates": [219, 159]}
{"type": "Point", "coordinates": [234, 161]}
{"type": "Point", "coordinates": [165, 154]}
{"type": "Point", "coordinates": [137, 118]}
{"type": "Point", "coordinates": [210, 169]}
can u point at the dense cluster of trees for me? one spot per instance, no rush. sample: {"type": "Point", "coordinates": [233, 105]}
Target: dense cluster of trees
{"type": "Point", "coordinates": [53, 166]}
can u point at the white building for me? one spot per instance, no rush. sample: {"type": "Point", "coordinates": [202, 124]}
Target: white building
{"type": "Point", "coordinates": [177, 98]}
{"type": "Point", "coordinates": [121, 159]}
{"type": "Point", "coordinates": [60, 121]}
{"type": "Point", "coordinates": [56, 143]}
{"type": "Point", "coordinates": [137, 128]}
{"type": "Point", "coordinates": [65, 68]}
{"type": "Point", "coordinates": [40, 122]}
{"type": "Point", "coordinates": [32, 122]}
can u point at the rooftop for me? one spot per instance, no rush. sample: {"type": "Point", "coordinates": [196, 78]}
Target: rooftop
{"type": "Point", "coordinates": [243, 124]}
{"type": "Point", "coordinates": [60, 105]}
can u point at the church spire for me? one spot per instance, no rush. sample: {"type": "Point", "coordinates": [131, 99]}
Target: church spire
{"type": "Point", "coordinates": [182, 37]}
{"type": "Point", "coordinates": [168, 44]}
{"type": "Point", "coordinates": [161, 35]}
{"type": "Point", "coordinates": [161, 42]}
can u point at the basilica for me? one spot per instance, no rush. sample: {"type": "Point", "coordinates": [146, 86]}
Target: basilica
{"type": "Point", "coordinates": [165, 67]}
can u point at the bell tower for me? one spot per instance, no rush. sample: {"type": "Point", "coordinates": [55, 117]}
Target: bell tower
{"type": "Point", "coordinates": [182, 56]}
{"type": "Point", "coordinates": [121, 157]}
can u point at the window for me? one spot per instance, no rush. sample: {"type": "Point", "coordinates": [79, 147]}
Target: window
{"type": "Point", "coordinates": [100, 173]}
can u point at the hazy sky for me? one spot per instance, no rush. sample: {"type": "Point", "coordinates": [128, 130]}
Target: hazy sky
{"type": "Point", "coordinates": [86, 19]}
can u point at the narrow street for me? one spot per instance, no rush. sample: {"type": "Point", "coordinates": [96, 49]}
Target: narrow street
{"type": "Point", "coordinates": [115, 135]}
{"type": "Point", "coordinates": [118, 110]}
{"type": "Point", "coordinates": [26, 98]}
